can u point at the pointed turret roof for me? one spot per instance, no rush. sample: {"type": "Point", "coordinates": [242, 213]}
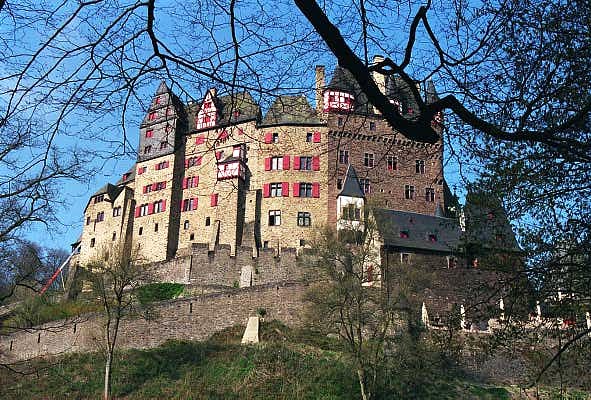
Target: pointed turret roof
{"type": "Point", "coordinates": [430, 92]}
{"type": "Point", "coordinates": [351, 186]}
{"type": "Point", "coordinates": [162, 88]}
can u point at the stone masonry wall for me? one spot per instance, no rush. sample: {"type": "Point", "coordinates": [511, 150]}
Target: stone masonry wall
{"type": "Point", "coordinates": [194, 318]}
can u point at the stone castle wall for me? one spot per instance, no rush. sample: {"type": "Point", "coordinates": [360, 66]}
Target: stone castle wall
{"type": "Point", "coordinates": [194, 318]}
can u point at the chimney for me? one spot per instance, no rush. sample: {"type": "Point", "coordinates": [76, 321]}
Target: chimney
{"type": "Point", "coordinates": [320, 83]}
{"type": "Point", "coordinates": [379, 79]}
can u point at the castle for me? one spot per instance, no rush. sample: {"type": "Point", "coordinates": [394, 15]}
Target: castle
{"type": "Point", "coordinates": [219, 173]}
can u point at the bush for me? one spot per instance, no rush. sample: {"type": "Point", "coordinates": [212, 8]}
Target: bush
{"type": "Point", "coordinates": [40, 309]}
{"type": "Point", "coordinates": [159, 292]}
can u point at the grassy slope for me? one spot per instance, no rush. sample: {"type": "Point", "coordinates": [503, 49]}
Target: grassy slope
{"type": "Point", "coordinates": [289, 365]}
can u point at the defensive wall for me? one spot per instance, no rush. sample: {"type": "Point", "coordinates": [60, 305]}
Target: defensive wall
{"type": "Point", "coordinates": [194, 318]}
{"type": "Point", "coordinates": [233, 287]}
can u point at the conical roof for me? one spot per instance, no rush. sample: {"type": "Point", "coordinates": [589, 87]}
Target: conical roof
{"type": "Point", "coordinates": [351, 186]}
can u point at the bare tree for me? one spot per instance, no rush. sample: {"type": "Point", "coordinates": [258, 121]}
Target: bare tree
{"type": "Point", "coordinates": [114, 276]}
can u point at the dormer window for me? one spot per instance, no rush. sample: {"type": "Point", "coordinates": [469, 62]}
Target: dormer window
{"type": "Point", "coordinates": [149, 133]}
{"type": "Point", "coordinates": [99, 198]}
{"type": "Point", "coordinates": [338, 101]}
{"type": "Point", "coordinates": [432, 237]}
{"type": "Point", "coordinates": [207, 115]}
{"type": "Point", "coordinates": [163, 145]}
{"type": "Point", "coordinates": [157, 100]}
{"type": "Point", "coordinates": [152, 116]}
{"type": "Point", "coordinates": [147, 149]}
{"type": "Point", "coordinates": [404, 234]}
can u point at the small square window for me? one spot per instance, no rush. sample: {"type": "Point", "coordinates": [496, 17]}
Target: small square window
{"type": "Point", "coordinates": [192, 236]}
{"type": "Point", "coordinates": [186, 224]}
{"type": "Point", "coordinates": [451, 262]}
{"type": "Point", "coordinates": [339, 184]}
{"type": "Point", "coordinates": [432, 237]}
{"type": "Point", "coordinates": [140, 231]}
{"type": "Point", "coordinates": [302, 242]}
{"type": "Point", "coordinates": [420, 166]}
{"type": "Point", "coordinates": [372, 126]}
{"type": "Point", "coordinates": [147, 149]}
{"type": "Point", "coordinates": [274, 217]}
{"type": "Point", "coordinates": [409, 192]}
{"type": "Point", "coordinates": [405, 258]}
{"type": "Point", "coordinates": [275, 138]}
{"type": "Point", "coordinates": [266, 244]}
{"type": "Point", "coordinates": [163, 145]}
{"type": "Point", "coordinates": [156, 227]}
{"type": "Point", "coordinates": [368, 160]}
{"type": "Point", "coordinates": [207, 221]}
{"type": "Point", "coordinates": [149, 133]}
{"type": "Point", "coordinates": [114, 236]}
{"type": "Point", "coordinates": [304, 218]}
{"type": "Point", "coordinates": [87, 220]}
{"type": "Point", "coordinates": [309, 137]}
{"type": "Point", "coordinates": [343, 156]}
{"type": "Point", "coordinates": [92, 242]}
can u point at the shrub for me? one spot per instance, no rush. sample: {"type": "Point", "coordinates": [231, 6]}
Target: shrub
{"type": "Point", "coordinates": [159, 292]}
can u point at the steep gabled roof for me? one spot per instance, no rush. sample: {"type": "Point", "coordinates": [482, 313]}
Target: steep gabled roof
{"type": "Point", "coordinates": [162, 88]}
{"type": "Point", "coordinates": [342, 80]}
{"type": "Point", "coordinates": [130, 174]}
{"type": "Point", "coordinates": [290, 110]}
{"type": "Point", "coordinates": [487, 224]}
{"type": "Point", "coordinates": [232, 108]}
{"type": "Point", "coordinates": [351, 186]}
{"type": "Point", "coordinates": [110, 190]}
{"type": "Point", "coordinates": [407, 230]}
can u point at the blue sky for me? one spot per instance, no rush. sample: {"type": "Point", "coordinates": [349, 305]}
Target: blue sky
{"type": "Point", "coordinates": [284, 68]}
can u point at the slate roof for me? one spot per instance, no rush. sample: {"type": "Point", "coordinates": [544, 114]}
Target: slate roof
{"type": "Point", "coordinates": [226, 105]}
{"type": "Point", "coordinates": [130, 176]}
{"type": "Point", "coordinates": [391, 223]}
{"type": "Point", "coordinates": [487, 224]}
{"type": "Point", "coordinates": [291, 110]}
{"type": "Point", "coordinates": [342, 80]}
{"type": "Point", "coordinates": [351, 186]}
{"type": "Point", "coordinates": [396, 89]}
{"type": "Point", "coordinates": [110, 190]}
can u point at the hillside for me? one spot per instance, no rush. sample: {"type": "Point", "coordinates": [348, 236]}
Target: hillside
{"type": "Point", "coordinates": [289, 365]}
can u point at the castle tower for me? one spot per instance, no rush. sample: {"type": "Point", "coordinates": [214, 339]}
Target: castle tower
{"type": "Point", "coordinates": [158, 176]}
{"type": "Point", "coordinates": [350, 203]}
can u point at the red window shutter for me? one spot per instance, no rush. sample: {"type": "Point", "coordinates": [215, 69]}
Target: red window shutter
{"type": "Point", "coordinates": [285, 162]}
{"type": "Point", "coordinates": [195, 203]}
{"type": "Point", "coordinates": [240, 131]}
{"type": "Point", "coordinates": [214, 199]}
{"type": "Point", "coordinates": [316, 163]}
{"type": "Point", "coordinates": [218, 155]}
{"type": "Point", "coordinates": [167, 164]}
{"type": "Point", "coordinates": [164, 185]}
{"type": "Point", "coordinates": [268, 164]}
{"type": "Point", "coordinates": [185, 181]}
{"type": "Point", "coordinates": [199, 160]}
{"type": "Point", "coordinates": [296, 162]}
{"type": "Point", "coordinates": [285, 189]}
{"type": "Point", "coordinates": [268, 137]}
{"type": "Point", "coordinates": [186, 163]}
{"type": "Point", "coordinates": [139, 171]}
{"type": "Point", "coordinates": [163, 205]}
{"type": "Point", "coordinates": [182, 202]}
{"type": "Point", "coordinates": [195, 181]}
{"type": "Point", "coordinates": [316, 137]}
{"type": "Point", "coordinates": [137, 212]}
{"type": "Point", "coordinates": [200, 139]}
{"type": "Point", "coordinates": [296, 189]}
{"type": "Point", "coordinates": [151, 208]}
{"type": "Point", "coordinates": [266, 190]}
{"type": "Point", "coordinates": [145, 189]}
{"type": "Point", "coordinates": [315, 189]}
{"type": "Point", "coordinates": [154, 186]}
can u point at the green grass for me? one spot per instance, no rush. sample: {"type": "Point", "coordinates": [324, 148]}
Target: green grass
{"type": "Point", "coordinates": [40, 309]}
{"type": "Point", "coordinates": [288, 365]}
{"type": "Point", "coordinates": [159, 291]}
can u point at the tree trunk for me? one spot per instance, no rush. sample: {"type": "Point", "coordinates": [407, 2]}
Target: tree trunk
{"type": "Point", "coordinates": [364, 394]}
{"type": "Point", "coordinates": [107, 392]}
